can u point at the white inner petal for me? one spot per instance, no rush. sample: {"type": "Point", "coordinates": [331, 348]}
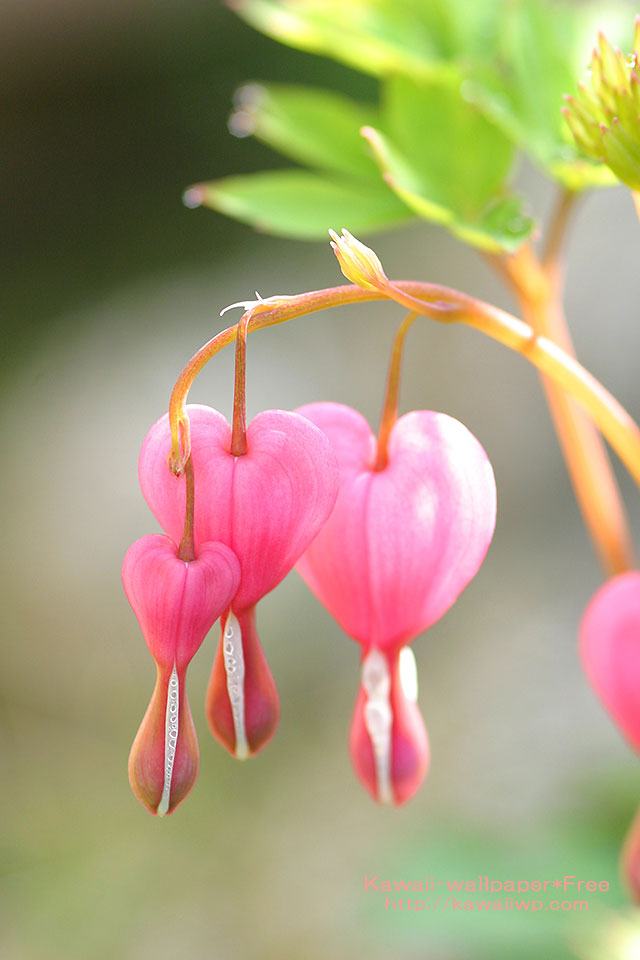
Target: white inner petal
{"type": "Point", "coordinates": [378, 719]}
{"type": "Point", "coordinates": [234, 667]}
{"type": "Point", "coordinates": [171, 725]}
{"type": "Point", "coordinates": [408, 674]}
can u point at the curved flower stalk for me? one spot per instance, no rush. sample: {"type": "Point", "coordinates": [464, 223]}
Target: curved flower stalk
{"type": "Point", "coordinates": [401, 544]}
{"type": "Point", "coordinates": [610, 650]}
{"type": "Point", "coordinates": [267, 505]}
{"type": "Point", "coordinates": [176, 604]}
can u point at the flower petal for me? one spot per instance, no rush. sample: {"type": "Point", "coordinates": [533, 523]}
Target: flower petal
{"type": "Point", "coordinates": [388, 742]}
{"type": "Point", "coordinates": [164, 758]}
{"type": "Point", "coordinates": [177, 603]}
{"type": "Point", "coordinates": [267, 505]}
{"type": "Point", "coordinates": [403, 542]}
{"type": "Point", "coordinates": [242, 704]}
{"type": "Point", "coordinates": [610, 650]}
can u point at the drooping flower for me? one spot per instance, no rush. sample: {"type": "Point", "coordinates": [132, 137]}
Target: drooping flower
{"type": "Point", "coordinates": [610, 650]}
{"type": "Point", "coordinates": [401, 544]}
{"type": "Point", "coordinates": [267, 506]}
{"type": "Point", "coordinates": [176, 604]}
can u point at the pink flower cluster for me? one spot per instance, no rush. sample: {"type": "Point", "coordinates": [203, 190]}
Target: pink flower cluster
{"type": "Point", "coordinates": [387, 551]}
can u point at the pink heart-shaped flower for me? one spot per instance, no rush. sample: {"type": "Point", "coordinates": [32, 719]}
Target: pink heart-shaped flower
{"type": "Point", "coordinates": [610, 650]}
{"type": "Point", "coordinates": [176, 604]}
{"type": "Point", "coordinates": [267, 505]}
{"type": "Point", "coordinates": [402, 542]}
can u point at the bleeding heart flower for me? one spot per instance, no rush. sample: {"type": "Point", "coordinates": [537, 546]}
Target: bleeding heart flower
{"type": "Point", "coordinates": [400, 546]}
{"type": "Point", "coordinates": [176, 604]}
{"type": "Point", "coordinates": [610, 650]}
{"type": "Point", "coordinates": [267, 506]}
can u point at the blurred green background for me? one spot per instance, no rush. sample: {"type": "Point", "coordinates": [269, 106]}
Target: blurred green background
{"type": "Point", "coordinates": [110, 284]}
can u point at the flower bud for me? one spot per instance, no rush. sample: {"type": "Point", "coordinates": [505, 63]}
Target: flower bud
{"type": "Point", "coordinates": [358, 263]}
{"type": "Point", "coordinates": [604, 119]}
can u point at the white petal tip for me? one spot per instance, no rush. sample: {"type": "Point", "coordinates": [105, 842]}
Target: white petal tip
{"type": "Point", "coordinates": [408, 674]}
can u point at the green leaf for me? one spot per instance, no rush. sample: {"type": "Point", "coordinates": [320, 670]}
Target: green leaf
{"type": "Point", "coordinates": [449, 164]}
{"type": "Point", "coordinates": [375, 36]}
{"type": "Point", "coordinates": [464, 158]}
{"type": "Point", "coordinates": [543, 53]}
{"type": "Point", "coordinates": [315, 127]}
{"type": "Point", "coordinates": [303, 205]}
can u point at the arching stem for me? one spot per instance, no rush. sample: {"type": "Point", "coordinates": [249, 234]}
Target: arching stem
{"type": "Point", "coordinates": [445, 305]}
{"type": "Point", "coordinates": [390, 409]}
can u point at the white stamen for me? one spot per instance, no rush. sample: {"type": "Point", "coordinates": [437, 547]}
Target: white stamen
{"type": "Point", "coordinates": [171, 724]}
{"type": "Point", "coordinates": [408, 674]}
{"type": "Point", "coordinates": [378, 719]}
{"type": "Point", "coordinates": [251, 305]}
{"type": "Point", "coordinates": [234, 667]}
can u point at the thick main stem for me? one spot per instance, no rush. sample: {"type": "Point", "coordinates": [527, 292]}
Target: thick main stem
{"type": "Point", "coordinates": [538, 287]}
{"type": "Point", "coordinates": [390, 408]}
{"type": "Point", "coordinates": [589, 468]}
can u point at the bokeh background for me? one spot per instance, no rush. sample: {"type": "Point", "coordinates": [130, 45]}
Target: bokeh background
{"type": "Point", "coordinates": [110, 284]}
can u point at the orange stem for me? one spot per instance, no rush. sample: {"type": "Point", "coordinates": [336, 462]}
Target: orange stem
{"type": "Point", "coordinates": [538, 288]}
{"type": "Point", "coordinates": [239, 431]}
{"type": "Point", "coordinates": [390, 409]}
{"type": "Point", "coordinates": [186, 550]}
{"type": "Point", "coordinates": [445, 305]}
